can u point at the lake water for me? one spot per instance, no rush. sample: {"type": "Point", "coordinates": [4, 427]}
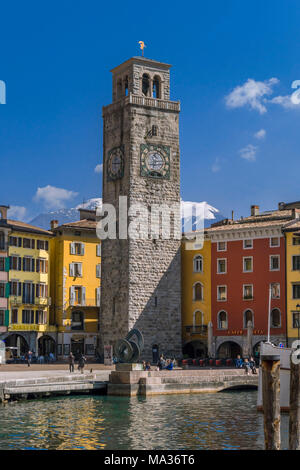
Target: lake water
{"type": "Point", "coordinates": [226, 420]}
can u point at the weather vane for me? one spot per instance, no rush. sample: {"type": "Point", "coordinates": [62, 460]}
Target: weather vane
{"type": "Point", "coordinates": [142, 46]}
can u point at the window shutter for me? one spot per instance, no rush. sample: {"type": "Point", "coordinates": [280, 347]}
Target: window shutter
{"type": "Point", "coordinates": [7, 264]}
{"type": "Point", "coordinates": [98, 294]}
{"type": "Point", "coordinates": [46, 266]}
{"type": "Point", "coordinates": [7, 289]}
{"type": "Point", "coordinates": [46, 246]}
{"type": "Point", "coordinates": [37, 265]}
{"type": "Point", "coordinates": [72, 295]}
{"type": "Point", "coordinates": [71, 270]}
{"type": "Point", "coordinates": [23, 264]}
{"type": "Point", "coordinates": [33, 244]}
{"type": "Point", "coordinates": [80, 269]}
{"type": "Point", "coordinates": [33, 265]}
{"type": "Point", "coordinates": [19, 264]}
{"type": "Point", "coordinates": [72, 248]}
{"type": "Point", "coordinates": [19, 241]}
{"type": "Point", "coordinates": [82, 248]}
{"type": "Point", "coordinates": [99, 249]}
{"type": "Point", "coordinates": [83, 295]}
{"type": "Point", "coordinates": [20, 289]}
{"type": "Point", "coordinates": [6, 318]}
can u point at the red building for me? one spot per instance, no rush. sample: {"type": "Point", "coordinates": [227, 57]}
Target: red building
{"type": "Point", "coordinates": [247, 259]}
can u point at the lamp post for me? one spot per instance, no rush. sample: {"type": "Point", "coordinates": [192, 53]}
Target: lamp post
{"type": "Point", "coordinates": [298, 323]}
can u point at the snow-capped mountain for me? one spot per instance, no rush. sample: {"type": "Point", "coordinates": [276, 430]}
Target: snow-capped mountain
{"type": "Point", "coordinates": [195, 215]}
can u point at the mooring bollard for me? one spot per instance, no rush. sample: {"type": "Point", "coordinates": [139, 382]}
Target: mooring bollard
{"type": "Point", "coordinates": [270, 365]}
{"type": "Point", "coordinates": [294, 426]}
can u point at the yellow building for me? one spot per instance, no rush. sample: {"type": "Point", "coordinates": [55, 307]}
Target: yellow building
{"type": "Point", "coordinates": [196, 295]}
{"type": "Point", "coordinates": [75, 285]}
{"type": "Point", "coordinates": [29, 297]}
{"type": "Point", "coordinates": [292, 237]}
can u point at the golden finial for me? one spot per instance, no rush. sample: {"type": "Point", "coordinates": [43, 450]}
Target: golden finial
{"type": "Point", "coordinates": [142, 46]}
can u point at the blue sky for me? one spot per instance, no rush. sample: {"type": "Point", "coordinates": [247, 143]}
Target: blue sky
{"type": "Point", "coordinates": [233, 66]}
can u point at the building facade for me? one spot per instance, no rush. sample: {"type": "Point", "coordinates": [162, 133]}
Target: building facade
{"type": "Point", "coordinates": [196, 297]}
{"type": "Point", "coordinates": [27, 289]}
{"type": "Point", "coordinates": [141, 277]}
{"type": "Point", "coordinates": [4, 271]}
{"type": "Point", "coordinates": [75, 285]}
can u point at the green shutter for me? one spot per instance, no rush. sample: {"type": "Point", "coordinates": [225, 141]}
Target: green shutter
{"type": "Point", "coordinates": [6, 321]}
{"type": "Point", "coordinates": [7, 289]}
{"type": "Point", "coordinates": [7, 264]}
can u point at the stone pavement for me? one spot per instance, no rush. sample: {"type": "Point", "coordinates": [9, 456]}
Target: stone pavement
{"type": "Point", "coordinates": [22, 371]}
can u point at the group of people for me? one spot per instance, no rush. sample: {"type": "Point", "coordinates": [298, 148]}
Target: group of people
{"type": "Point", "coordinates": [81, 362]}
{"type": "Point", "coordinates": [248, 365]}
{"type": "Point", "coordinates": [42, 359]}
{"type": "Point", "coordinates": [167, 364]}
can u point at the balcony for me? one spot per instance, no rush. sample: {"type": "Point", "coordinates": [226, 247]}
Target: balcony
{"type": "Point", "coordinates": [200, 330]}
{"type": "Point", "coordinates": [32, 327]}
{"type": "Point", "coordinates": [143, 101]}
{"type": "Point", "coordinates": [17, 301]}
{"type": "Point", "coordinates": [83, 303]}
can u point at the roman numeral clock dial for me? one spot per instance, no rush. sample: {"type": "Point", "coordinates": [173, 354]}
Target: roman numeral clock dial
{"type": "Point", "coordinates": [155, 161]}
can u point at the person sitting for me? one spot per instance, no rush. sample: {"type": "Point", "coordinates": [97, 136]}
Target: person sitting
{"type": "Point", "coordinates": [169, 365]}
{"type": "Point", "coordinates": [144, 365]}
{"type": "Point", "coordinates": [246, 366]}
{"type": "Point", "coordinates": [253, 365]}
{"type": "Point", "coordinates": [147, 366]}
{"type": "Point", "coordinates": [239, 362]}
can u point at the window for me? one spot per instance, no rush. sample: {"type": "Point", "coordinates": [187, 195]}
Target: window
{"type": "Point", "coordinates": [89, 349]}
{"type": "Point", "coordinates": [198, 264]}
{"type": "Point", "coordinates": [28, 264]}
{"type": "Point", "coordinates": [198, 291]}
{"type": "Point", "coordinates": [98, 270]}
{"type": "Point", "coordinates": [41, 265]}
{"type": "Point", "coordinates": [42, 245]}
{"type": "Point", "coordinates": [16, 288]}
{"type": "Point", "coordinates": [2, 240]}
{"type": "Point", "coordinates": [248, 244]}
{"type": "Point", "coordinates": [296, 291]}
{"type": "Point", "coordinates": [77, 320]}
{"type": "Point", "coordinates": [154, 131]}
{"type": "Point", "coordinates": [28, 316]}
{"type": "Point", "coordinates": [14, 315]}
{"type": "Point", "coordinates": [28, 243]}
{"type": "Point", "coordinates": [275, 290]}
{"type": "Point", "coordinates": [222, 320]}
{"type": "Point", "coordinates": [222, 293]}
{"type": "Point", "coordinates": [145, 84]}
{"type": "Point", "coordinates": [197, 319]}
{"type": "Point", "coordinates": [221, 263]}
{"type": "Point", "coordinates": [15, 241]}
{"type": "Point", "coordinates": [296, 319]}
{"type": "Point", "coordinates": [296, 240]}
{"type": "Point", "coordinates": [77, 248]}
{"type": "Point", "coordinates": [248, 292]}
{"type": "Point", "coordinates": [41, 317]}
{"type": "Point", "coordinates": [248, 316]}
{"type": "Point", "coordinates": [274, 241]}
{"type": "Point", "coordinates": [275, 318]}
{"type": "Point", "coordinates": [222, 246]}
{"type": "Point", "coordinates": [2, 289]}
{"type": "Point", "coordinates": [77, 295]}
{"type": "Point", "coordinates": [274, 263]}
{"type": "Point", "coordinates": [2, 263]}
{"type": "Point", "coordinates": [41, 290]}
{"type": "Point", "coordinates": [156, 87]}
{"type": "Point", "coordinates": [247, 264]}
{"type": "Point", "coordinates": [296, 263]}
{"type": "Point", "coordinates": [75, 269]}
{"type": "Point", "coordinates": [98, 250]}
{"type": "Point", "coordinates": [2, 317]}
{"type": "Point", "coordinates": [15, 263]}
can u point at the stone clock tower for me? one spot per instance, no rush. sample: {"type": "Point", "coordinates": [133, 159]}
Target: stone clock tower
{"type": "Point", "coordinates": [141, 278]}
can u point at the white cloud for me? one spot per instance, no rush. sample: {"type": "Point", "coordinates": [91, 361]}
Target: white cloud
{"type": "Point", "coordinates": [54, 198]}
{"type": "Point", "coordinates": [260, 134]}
{"type": "Point", "coordinates": [216, 166]}
{"type": "Point", "coordinates": [98, 168]}
{"type": "Point", "coordinates": [251, 94]}
{"type": "Point", "coordinates": [249, 152]}
{"type": "Point", "coordinates": [17, 212]}
{"type": "Point", "coordinates": [286, 102]}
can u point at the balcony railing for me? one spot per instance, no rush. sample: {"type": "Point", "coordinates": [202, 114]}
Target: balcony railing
{"type": "Point", "coordinates": [16, 301]}
{"type": "Point", "coordinates": [83, 303]}
{"type": "Point", "coordinates": [196, 329]}
{"type": "Point", "coordinates": [144, 101]}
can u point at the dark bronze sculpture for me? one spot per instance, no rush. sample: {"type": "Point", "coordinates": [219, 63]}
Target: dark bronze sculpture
{"type": "Point", "coordinates": [129, 349]}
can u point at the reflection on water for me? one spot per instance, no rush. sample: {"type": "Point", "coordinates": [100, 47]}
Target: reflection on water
{"type": "Point", "coordinates": [174, 422]}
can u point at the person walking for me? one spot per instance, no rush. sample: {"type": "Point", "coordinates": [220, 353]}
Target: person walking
{"type": "Point", "coordinates": [81, 363]}
{"type": "Point", "coordinates": [28, 358]}
{"type": "Point", "coordinates": [71, 362]}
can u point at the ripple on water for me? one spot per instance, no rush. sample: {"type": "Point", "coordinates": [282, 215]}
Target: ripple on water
{"type": "Point", "coordinates": [206, 421]}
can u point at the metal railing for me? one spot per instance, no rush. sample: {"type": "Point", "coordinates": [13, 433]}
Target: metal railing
{"type": "Point", "coordinates": [16, 301]}
{"type": "Point", "coordinates": [83, 303]}
{"type": "Point", "coordinates": [196, 329]}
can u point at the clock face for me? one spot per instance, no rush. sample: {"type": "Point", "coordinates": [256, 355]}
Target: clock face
{"type": "Point", "coordinates": [115, 163]}
{"type": "Point", "coordinates": [155, 161]}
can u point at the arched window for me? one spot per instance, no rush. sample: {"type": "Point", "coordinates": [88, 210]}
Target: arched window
{"type": "Point", "coordinates": [126, 86]}
{"type": "Point", "coordinates": [222, 320]}
{"type": "Point", "coordinates": [156, 87]}
{"type": "Point", "coordinates": [275, 318]}
{"type": "Point", "coordinates": [146, 84]}
{"type": "Point", "coordinates": [248, 316]}
{"type": "Point", "coordinates": [119, 89]}
{"type": "Point", "coordinates": [198, 264]}
{"type": "Point", "coordinates": [198, 318]}
{"type": "Point", "coordinates": [198, 291]}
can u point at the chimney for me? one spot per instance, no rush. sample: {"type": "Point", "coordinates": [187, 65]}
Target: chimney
{"type": "Point", "coordinates": [232, 215]}
{"type": "Point", "coordinates": [3, 213]}
{"type": "Point", "coordinates": [254, 211]}
{"type": "Point", "coordinates": [53, 224]}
